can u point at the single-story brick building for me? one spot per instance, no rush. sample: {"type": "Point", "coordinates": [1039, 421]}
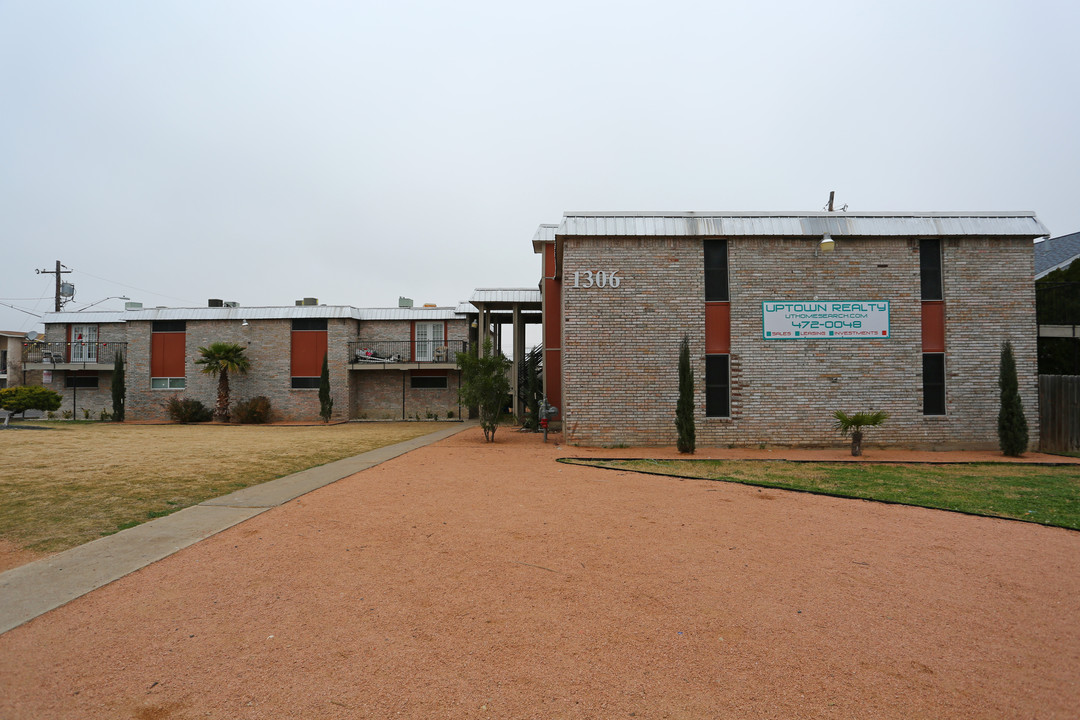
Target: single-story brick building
{"type": "Point", "coordinates": [789, 317]}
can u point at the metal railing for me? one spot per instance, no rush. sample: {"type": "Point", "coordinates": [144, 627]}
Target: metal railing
{"type": "Point", "coordinates": [73, 352]}
{"type": "Point", "coordinates": [1058, 303]}
{"type": "Point", "coordinates": [382, 352]}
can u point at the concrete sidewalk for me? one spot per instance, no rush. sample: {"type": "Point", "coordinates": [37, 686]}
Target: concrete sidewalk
{"type": "Point", "coordinates": [36, 588]}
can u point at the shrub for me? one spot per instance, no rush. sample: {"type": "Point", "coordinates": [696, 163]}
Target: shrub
{"type": "Point", "coordinates": [854, 424]}
{"type": "Point", "coordinates": [255, 411]}
{"type": "Point", "coordinates": [684, 407]}
{"type": "Point", "coordinates": [29, 397]}
{"type": "Point", "coordinates": [119, 389]}
{"type": "Point", "coordinates": [326, 401]}
{"type": "Point", "coordinates": [105, 415]}
{"type": "Point", "coordinates": [1012, 425]}
{"type": "Point", "coordinates": [187, 410]}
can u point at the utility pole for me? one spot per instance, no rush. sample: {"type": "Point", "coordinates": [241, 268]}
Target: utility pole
{"type": "Point", "coordinates": [58, 272]}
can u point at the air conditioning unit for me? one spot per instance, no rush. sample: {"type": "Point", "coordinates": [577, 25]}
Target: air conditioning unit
{"type": "Point", "coordinates": [230, 303]}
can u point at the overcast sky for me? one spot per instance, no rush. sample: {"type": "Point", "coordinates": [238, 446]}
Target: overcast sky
{"type": "Point", "coordinates": [357, 151]}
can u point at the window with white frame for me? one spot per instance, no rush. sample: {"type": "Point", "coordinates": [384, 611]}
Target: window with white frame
{"type": "Point", "coordinates": [84, 343]}
{"type": "Point", "coordinates": [429, 338]}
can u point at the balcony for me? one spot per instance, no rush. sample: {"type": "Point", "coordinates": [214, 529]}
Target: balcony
{"type": "Point", "coordinates": [72, 355]}
{"type": "Point", "coordinates": [404, 354]}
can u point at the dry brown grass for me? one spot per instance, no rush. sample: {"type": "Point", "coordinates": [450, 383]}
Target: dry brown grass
{"type": "Point", "coordinates": [72, 483]}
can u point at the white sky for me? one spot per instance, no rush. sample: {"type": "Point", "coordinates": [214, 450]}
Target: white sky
{"type": "Point", "coordinates": [174, 151]}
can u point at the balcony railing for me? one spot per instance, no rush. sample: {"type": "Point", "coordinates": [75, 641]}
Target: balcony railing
{"type": "Point", "coordinates": [73, 352]}
{"type": "Point", "coordinates": [383, 352]}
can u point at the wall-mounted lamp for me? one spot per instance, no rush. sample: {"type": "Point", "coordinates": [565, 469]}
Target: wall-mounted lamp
{"type": "Point", "coordinates": [245, 323]}
{"type": "Point", "coordinates": [827, 245]}
{"type": "Point", "coordinates": [475, 325]}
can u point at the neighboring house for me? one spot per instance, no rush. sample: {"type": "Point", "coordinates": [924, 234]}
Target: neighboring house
{"type": "Point", "coordinates": [1056, 253]}
{"type": "Point", "coordinates": [1057, 299]}
{"type": "Point", "coordinates": [790, 317]}
{"type": "Point", "coordinates": [11, 344]}
{"type": "Point", "coordinates": [385, 363]}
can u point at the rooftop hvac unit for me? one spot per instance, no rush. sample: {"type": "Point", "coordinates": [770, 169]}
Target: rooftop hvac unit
{"type": "Point", "coordinates": [133, 306]}
{"type": "Point", "coordinates": [307, 301]}
{"type": "Point", "coordinates": [215, 302]}
{"type": "Point", "coordinates": [404, 302]}
{"type": "Point", "coordinates": [230, 303]}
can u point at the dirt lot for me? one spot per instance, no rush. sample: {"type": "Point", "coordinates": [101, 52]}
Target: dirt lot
{"type": "Point", "coordinates": [487, 581]}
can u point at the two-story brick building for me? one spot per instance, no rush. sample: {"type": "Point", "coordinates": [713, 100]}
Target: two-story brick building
{"type": "Point", "coordinates": [789, 317]}
{"type": "Point", "coordinates": [384, 363]}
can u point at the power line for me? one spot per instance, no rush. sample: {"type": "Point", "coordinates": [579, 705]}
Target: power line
{"type": "Point", "coordinates": [19, 309]}
{"type": "Point", "coordinates": [132, 287]}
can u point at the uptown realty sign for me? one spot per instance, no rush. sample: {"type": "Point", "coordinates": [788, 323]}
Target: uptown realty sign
{"type": "Point", "coordinates": [845, 320]}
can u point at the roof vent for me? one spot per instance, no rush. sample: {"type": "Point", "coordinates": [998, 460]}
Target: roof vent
{"type": "Point", "coordinates": [133, 306]}
{"type": "Point", "coordinates": [430, 305]}
{"type": "Point", "coordinates": [215, 302]}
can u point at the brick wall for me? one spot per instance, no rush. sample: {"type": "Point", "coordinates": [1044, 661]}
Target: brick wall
{"type": "Point", "coordinates": [620, 345]}
{"type": "Point", "coordinates": [379, 394]}
{"type": "Point", "coordinates": [268, 343]}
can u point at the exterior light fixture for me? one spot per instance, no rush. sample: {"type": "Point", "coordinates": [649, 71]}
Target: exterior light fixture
{"type": "Point", "coordinates": [245, 323]}
{"type": "Point", "coordinates": [827, 245]}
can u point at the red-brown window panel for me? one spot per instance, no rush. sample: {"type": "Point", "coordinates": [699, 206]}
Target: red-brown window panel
{"type": "Point", "coordinates": [933, 326]}
{"type": "Point", "coordinates": [717, 328]}
{"type": "Point", "coordinates": [308, 350]}
{"type": "Point", "coordinates": [167, 354]}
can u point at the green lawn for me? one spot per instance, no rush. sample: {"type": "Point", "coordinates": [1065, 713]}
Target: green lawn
{"type": "Point", "coordinates": [1049, 495]}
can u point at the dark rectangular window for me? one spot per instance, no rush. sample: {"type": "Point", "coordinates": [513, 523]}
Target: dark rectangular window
{"type": "Point", "coordinates": [425, 381]}
{"type": "Point", "coordinates": [716, 270]}
{"type": "Point", "coordinates": [305, 383]}
{"type": "Point", "coordinates": [168, 326]}
{"type": "Point", "coordinates": [933, 373]}
{"type": "Point", "coordinates": [309, 324]}
{"type": "Point", "coordinates": [930, 269]}
{"type": "Point", "coordinates": [717, 386]}
{"type": "Point", "coordinates": [81, 381]}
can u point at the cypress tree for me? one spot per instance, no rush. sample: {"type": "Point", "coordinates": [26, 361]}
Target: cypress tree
{"type": "Point", "coordinates": [326, 403]}
{"type": "Point", "coordinates": [119, 388]}
{"type": "Point", "coordinates": [684, 409]}
{"type": "Point", "coordinates": [1012, 425]}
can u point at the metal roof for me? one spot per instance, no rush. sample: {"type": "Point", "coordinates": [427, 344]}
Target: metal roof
{"type": "Point", "coordinates": [796, 224]}
{"type": "Point", "coordinates": [505, 295]}
{"type": "Point", "coordinates": [1056, 253]}
{"type": "Point", "coordinates": [286, 312]}
{"type": "Point", "coordinates": [466, 308]}
{"type": "Point", "coordinates": [544, 234]}
{"type": "Point", "coordinates": [413, 313]}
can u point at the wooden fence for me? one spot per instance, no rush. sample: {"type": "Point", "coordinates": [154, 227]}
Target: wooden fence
{"type": "Point", "coordinates": [1059, 413]}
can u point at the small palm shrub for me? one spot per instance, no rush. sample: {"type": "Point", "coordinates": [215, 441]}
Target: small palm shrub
{"type": "Point", "coordinates": [255, 411]}
{"type": "Point", "coordinates": [853, 425]}
{"type": "Point", "coordinates": [187, 410]}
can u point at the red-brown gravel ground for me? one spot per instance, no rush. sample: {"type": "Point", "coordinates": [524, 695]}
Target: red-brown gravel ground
{"type": "Point", "coordinates": [466, 580]}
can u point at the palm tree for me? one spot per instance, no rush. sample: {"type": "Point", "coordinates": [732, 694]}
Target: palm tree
{"type": "Point", "coordinates": [855, 423]}
{"type": "Point", "coordinates": [219, 360]}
